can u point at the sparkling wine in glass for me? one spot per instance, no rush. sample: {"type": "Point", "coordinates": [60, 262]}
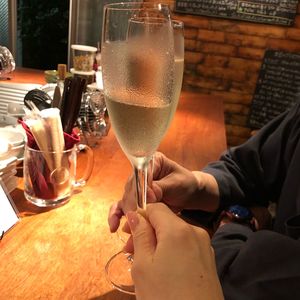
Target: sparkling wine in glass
{"type": "Point", "coordinates": [138, 68]}
{"type": "Point", "coordinates": [178, 32]}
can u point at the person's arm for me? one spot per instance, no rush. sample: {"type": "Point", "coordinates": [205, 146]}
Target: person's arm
{"type": "Point", "coordinates": [172, 259]}
{"type": "Point", "coordinates": [250, 174]}
{"type": "Point", "coordinates": [172, 184]}
{"type": "Point", "coordinates": [253, 173]}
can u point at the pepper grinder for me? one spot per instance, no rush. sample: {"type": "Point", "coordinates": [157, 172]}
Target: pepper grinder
{"type": "Point", "coordinates": [7, 63]}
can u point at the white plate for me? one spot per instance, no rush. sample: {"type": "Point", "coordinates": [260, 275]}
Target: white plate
{"type": "Point", "coordinates": [8, 120]}
{"type": "Point", "coordinates": [12, 135]}
{"type": "Point", "coordinates": [7, 162]}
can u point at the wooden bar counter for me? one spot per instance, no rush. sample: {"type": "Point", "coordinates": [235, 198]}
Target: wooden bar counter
{"type": "Point", "coordinates": [61, 253]}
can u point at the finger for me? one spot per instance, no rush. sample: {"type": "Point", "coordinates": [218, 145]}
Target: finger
{"type": "Point", "coordinates": [126, 227]}
{"type": "Point", "coordinates": [128, 247]}
{"type": "Point", "coordinates": [143, 235]}
{"type": "Point", "coordinates": [160, 166]}
{"type": "Point", "coordinates": [154, 194]}
{"type": "Point", "coordinates": [128, 184]}
{"type": "Point", "coordinates": [114, 216]}
{"type": "Point", "coordinates": [155, 212]}
{"type": "Point", "coordinates": [129, 196]}
{"type": "Point", "coordinates": [156, 165]}
{"type": "Point", "coordinates": [160, 217]}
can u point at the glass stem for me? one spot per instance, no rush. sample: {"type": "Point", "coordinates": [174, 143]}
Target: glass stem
{"type": "Point", "coordinates": [141, 180]}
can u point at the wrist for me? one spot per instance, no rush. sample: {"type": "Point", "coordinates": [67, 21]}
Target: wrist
{"type": "Point", "coordinates": [208, 191]}
{"type": "Point", "coordinates": [200, 179]}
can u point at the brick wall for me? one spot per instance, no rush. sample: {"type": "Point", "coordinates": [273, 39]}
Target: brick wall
{"type": "Point", "coordinates": [223, 58]}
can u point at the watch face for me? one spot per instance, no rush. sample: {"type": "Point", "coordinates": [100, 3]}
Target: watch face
{"type": "Point", "coordinates": [240, 212]}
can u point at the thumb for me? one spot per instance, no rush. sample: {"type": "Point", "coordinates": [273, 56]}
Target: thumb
{"type": "Point", "coordinates": [144, 240]}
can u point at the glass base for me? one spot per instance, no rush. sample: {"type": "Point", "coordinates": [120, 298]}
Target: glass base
{"type": "Point", "coordinates": [47, 203]}
{"type": "Point", "coordinates": [118, 272]}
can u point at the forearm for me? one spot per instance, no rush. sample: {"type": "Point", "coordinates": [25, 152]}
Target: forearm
{"type": "Point", "coordinates": [207, 196]}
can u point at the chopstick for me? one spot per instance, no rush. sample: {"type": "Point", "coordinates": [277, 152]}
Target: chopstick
{"type": "Point", "coordinates": [65, 95]}
{"type": "Point", "coordinates": [71, 102]}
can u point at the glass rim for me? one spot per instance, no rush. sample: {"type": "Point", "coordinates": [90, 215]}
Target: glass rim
{"type": "Point", "coordinates": [131, 5]}
{"type": "Point", "coordinates": [175, 22]}
{"type": "Point", "coordinates": [49, 152]}
{"type": "Point", "coordinates": [150, 20]}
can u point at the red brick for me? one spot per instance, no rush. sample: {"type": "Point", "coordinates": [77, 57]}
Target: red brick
{"type": "Point", "coordinates": [190, 33]}
{"type": "Point", "coordinates": [215, 48]}
{"type": "Point", "coordinates": [193, 57]}
{"type": "Point", "coordinates": [245, 40]}
{"type": "Point", "coordinates": [223, 25]}
{"type": "Point", "coordinates": [236, 108]}
{"type": "Point", "coordinates": [297, 20]}
{"type": "Point", "coordinates": [247, 87]}
{"type": "Point", "coordinates": [211, 84]}
{"type": "Point", "coordinates": [244, 64]}
{"type": "Point", "coordinates": [189, 68]}
{"type": "Point", "coordinates": [236, 119]}
{"type": "Point", "coordinates": [211, 36]}
{"type": "Point", "coordinates": [221, 73]}
{"type": "Point", "coordinates": [286, 45]}
{"type": "Point", "coordinates": [199, 45]}
{"type": "Point", "coordinates": [215, 60]}
{"type": "Point", "coordinates": [262, 30]}
{"type": "Point", "coordinates": [229, 50]}
{"type": "Point", "coordinates": [196, 89]}
{"type": "Point", "coordinates": [252, 53]}
{"type": "Point", "coordinates": [238, 131]}
{"type": "Point", "coordinates": [229, 97]}
{"type": "Point", "coordinates": [190, 44]}
{"type": "Point", "coordinates": [293, 33]}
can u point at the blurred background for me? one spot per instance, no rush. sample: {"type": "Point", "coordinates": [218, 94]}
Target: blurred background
{"type": "Point", "coordinates": [223, 57]}
{"type": "Point", "coordinates": [39, 33]}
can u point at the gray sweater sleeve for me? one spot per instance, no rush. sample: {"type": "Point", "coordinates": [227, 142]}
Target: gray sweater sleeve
{"type": "Point", "coordinates": [253, 173]}
{"type": "Point", "coordinates": [256, 265]}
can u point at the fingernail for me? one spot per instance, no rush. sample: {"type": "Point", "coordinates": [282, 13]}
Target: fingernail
{"type": "Point", "coordinates": [132, 219]}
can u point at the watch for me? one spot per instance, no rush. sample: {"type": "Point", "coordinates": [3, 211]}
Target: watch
{"type": "Point", "coordinates": [239, 214]}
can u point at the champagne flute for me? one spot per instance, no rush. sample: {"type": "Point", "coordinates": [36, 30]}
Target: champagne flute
{"type": "Point", "coordinates": [138, 80]}
{"type": "Point", "coordinates": [178, 31]}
